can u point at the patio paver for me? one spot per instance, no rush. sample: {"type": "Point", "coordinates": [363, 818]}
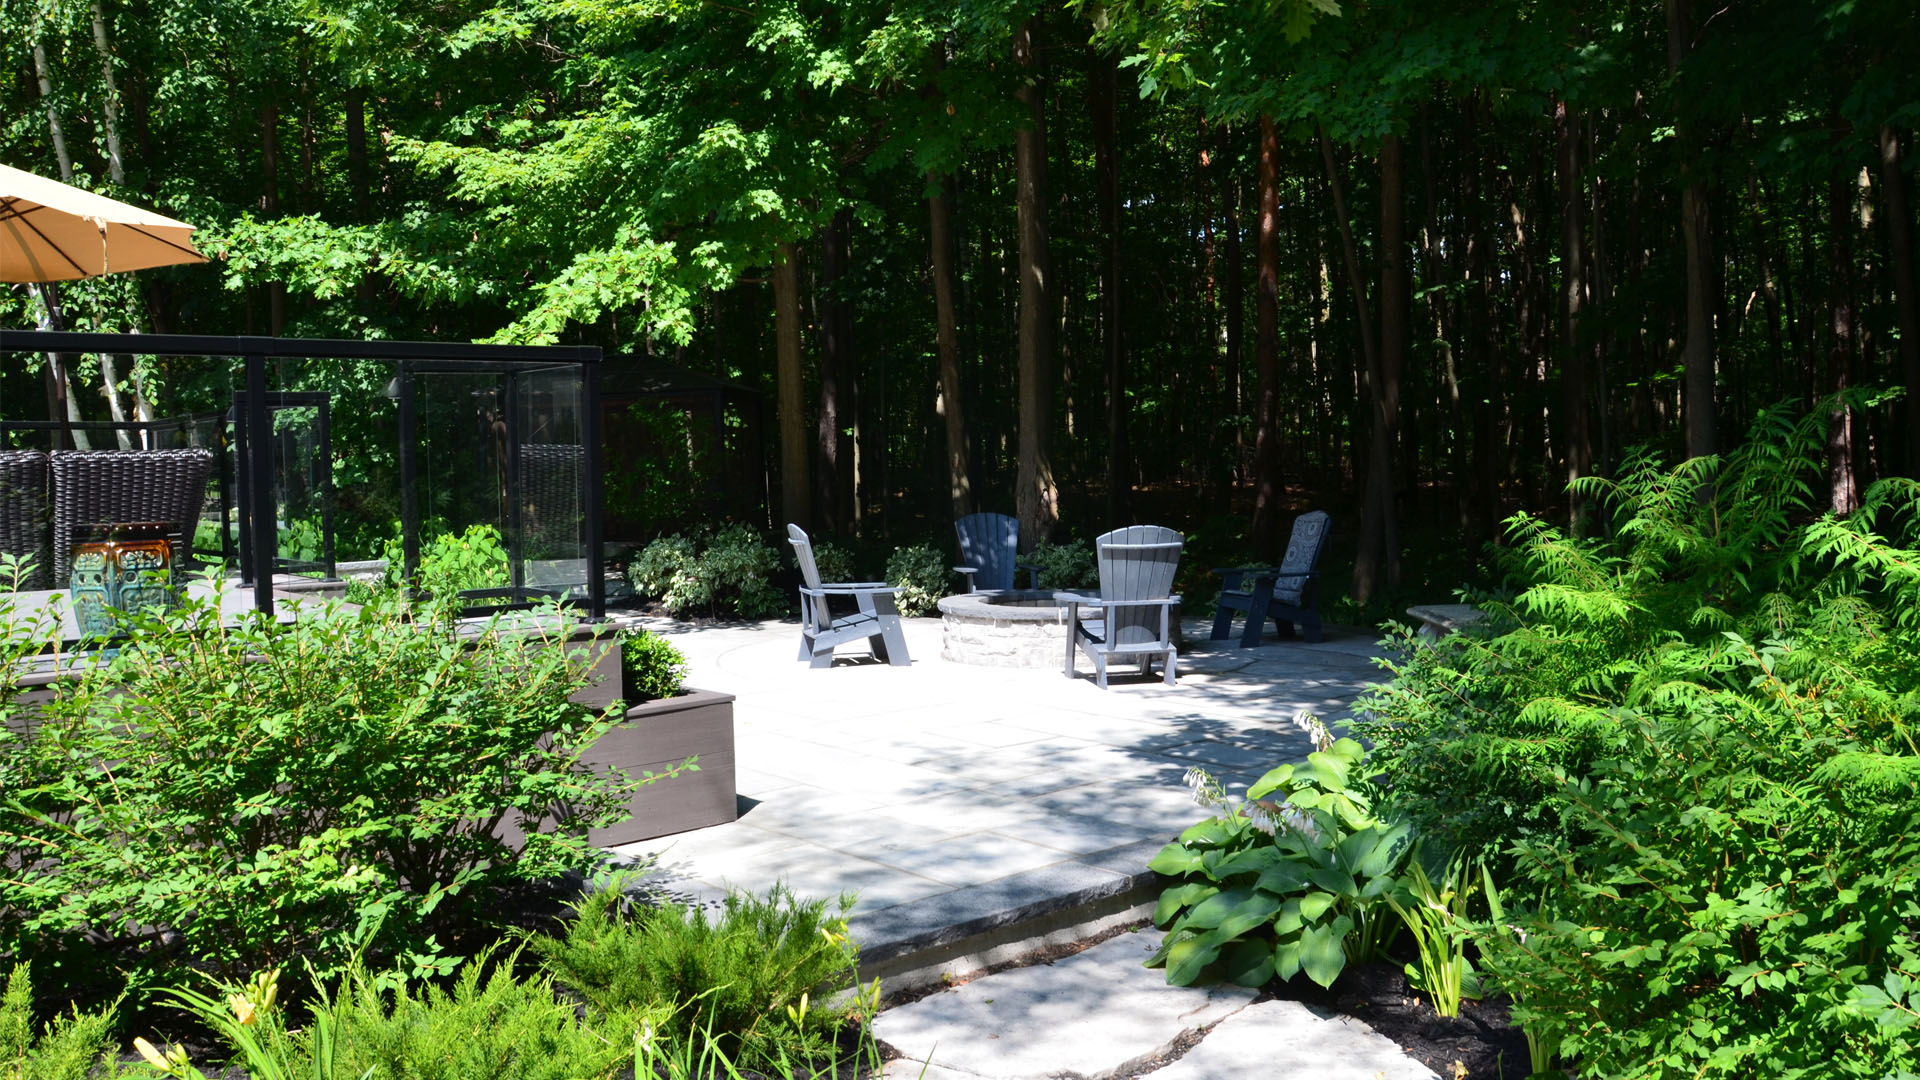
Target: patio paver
{"type": "Point", "coordinates": [962, 800]}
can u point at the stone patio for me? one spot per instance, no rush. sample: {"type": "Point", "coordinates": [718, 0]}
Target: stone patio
{"type": "Point", "coordinates": [979, 812]}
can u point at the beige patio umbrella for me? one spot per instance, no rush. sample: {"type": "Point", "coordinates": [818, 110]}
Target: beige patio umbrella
{"type": "Point", "coordinates": [51, 231]}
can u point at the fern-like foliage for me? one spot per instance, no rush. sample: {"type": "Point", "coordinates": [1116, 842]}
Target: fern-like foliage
{"type": "Point", "coordinates": [1693, 741]}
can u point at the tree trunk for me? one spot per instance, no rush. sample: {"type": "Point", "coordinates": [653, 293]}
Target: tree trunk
{"type": "Point", "coordinates": [947, 340]}
{"type": "Point", "coordinates": [1268, 492]}
{"type": "Point", "coordinates": [1101, 94]}
{"type": "Point", "coordinates": [1371, 556]}
{"type": "Point", "coordinates": [1899, 218]}
{"type": "Point", "coordinates": [270, 204]}
{"type": "Point", "coordinates": [43, 72]}
{"type": "Point", "coordinates": [1232, 291]}
{"type": "Point", "coordinates": [796, 494]}
{"type": "Point", "coordinates": [1036, 496]}
{"type": "Point", "coordinates": [1576, 435]}
{"type": "Point", "coordinates": [1395, 289]}
{"type": "Point", "coordinates": [833, 481]}
{"type": "Point", "coordinates": [115, 168]}
{"type": "Point", "coordinates": [357, 151]}
{"type": "Point", "coordinates": [1697, 357]}
{"type": "Point", "coordinates": [1842, 484]}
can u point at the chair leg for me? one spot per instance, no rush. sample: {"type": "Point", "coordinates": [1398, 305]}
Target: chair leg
{"type": "Point", "coordinates": [891, 645]}
{"type": "Point", "coordinates": [1310, 629]}
{"type": "Point", "coordinates": [806, 647]}
{"type": "Point", "coordinates": [822, 659]}
{"type": "Point", "coordinates": [1222, 623]}
{"type": "Point", "coordinates": [1171, 661]}
{"type": "Point", "coordinates": [1256, 619]}
{"type": "Point", "coordinates": [1100, 670]}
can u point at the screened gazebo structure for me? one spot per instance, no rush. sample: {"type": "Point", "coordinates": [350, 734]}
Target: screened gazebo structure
{"type": "Point", "coordinates": [681, 446]}
{"type": "Point", "coordinates": [470, 470]}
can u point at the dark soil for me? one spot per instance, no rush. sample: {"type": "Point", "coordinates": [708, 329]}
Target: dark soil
{"type": "Point", "coordinates": [1479, 1044]}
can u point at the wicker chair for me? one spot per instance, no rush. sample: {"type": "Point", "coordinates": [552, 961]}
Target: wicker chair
{"type": "Point", "coordinates": [550, 488]}
{"type": "Point", "coordinates": [126, 485]}
{"type": "Point", "coordinates": [23, 513]}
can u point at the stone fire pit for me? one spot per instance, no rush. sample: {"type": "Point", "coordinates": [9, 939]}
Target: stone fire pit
{"type": "Point", "coordinates": [1019, 628]}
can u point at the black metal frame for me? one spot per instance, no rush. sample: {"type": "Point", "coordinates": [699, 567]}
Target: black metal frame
{"type": "Point", "coordinates": [282, 400]}
{"type": "Point", "coordinates": [254, 429]}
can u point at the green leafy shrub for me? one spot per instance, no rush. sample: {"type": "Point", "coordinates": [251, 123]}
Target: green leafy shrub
{"type": "Point", "coordinates": [727, 571]}
{"type": "Point", "coordinates": [77, 1046]}
{"type": "Point", "coordinates": [651, 666]}
{"type": "Point", "coordinates": [921, 575]}
{"type": "Point", "coordinates": [1694, 745]}
{"type": "Point", "coordinates": [1064, 566]}
{"type": "Point", "coordinates": [244, 795]}
{"type": "Point", "coordinates": [1298, 885]}
{"type": "Point", "coordinates": [834, 562]}
{"type": "Point", "coordinates": [754, 979]}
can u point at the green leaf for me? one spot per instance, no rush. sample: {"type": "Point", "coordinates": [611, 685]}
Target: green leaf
{"type": "Point", "coordinates": [1187, 958]}
{"type": "Point", "coordinates": [1322, 955]}
{"type": "Point", "coordinates": [1333, 879]}
{"type": "Point", "coordinates": [1283, 878]}
{"type": "Point", "coordinates": [1273, 781]}
{"type": "Point", "coordinates": [1175, 859]}
{"type": "Point", "coordinates": [1181, 896]}
{"type": "Point", "coordinates": [1248, 962]}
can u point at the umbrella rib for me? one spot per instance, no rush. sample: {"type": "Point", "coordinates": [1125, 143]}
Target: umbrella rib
{"type": "Point", "coordinates": [188, 248]}
{"type": "Point", "coordinates": [13, 213]}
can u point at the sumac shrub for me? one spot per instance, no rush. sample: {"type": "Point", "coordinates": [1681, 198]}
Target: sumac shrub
{"type": "Point", "coordinates": [921, 576]}
{"type": "Point", "coordinates": [239, 796]}
{"type": "Point", "coordinates": [728, 571]}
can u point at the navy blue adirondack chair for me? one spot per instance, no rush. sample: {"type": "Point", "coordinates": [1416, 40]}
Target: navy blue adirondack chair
{"type": "Point", "coordinates": [877, 620]}
{"type": "Point", "coordinates": [1132, 618]}
{"type": "Point", "coordinates": [1285, 593]}
{"type": "Point", "coordinates": [990, 550]}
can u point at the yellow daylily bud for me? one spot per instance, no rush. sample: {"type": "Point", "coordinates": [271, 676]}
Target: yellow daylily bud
{"type": "Point", "coordinates": [243, 1009]}
{"type": "Point", "coordinates": [152, 1055]}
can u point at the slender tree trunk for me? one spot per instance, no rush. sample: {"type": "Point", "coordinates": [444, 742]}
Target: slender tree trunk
{"type": "Point", "coordinates": [1101, 94]}
{"type": "Point", "coordinates": [1233, 292]}
{"type": "Point", "coordinates": [1268, 490]}
{"type": "Point", "coordinates": [357, 151]}
{"type": "Point", "coordinates": [58, 372]}
{"type": "Point", "coordinates": [796, 492]}
{"type": "Point", "coordinates": [270, 204]}
{"type": "Point", "coordinates": [1899, 218]}
{"type": "Point", "coordinates": [43, 72]}
{"type": "Point", "coordinates": [1371, 557]}
{"type": "Point", "coordinates": [947, 339]}
{"type": "Point", "coordinates": [1577, 453]}
{"type": "Point", "coordinates": [1697, 357]}
{"type": "Point", "coordinates": [1843, 485]}
{"type": "Point", "coordinates": [115, 168]}
{"type": "Point", "coordinates": [1036, 496]}
{"type": "Point", "coordinates": [1395, 301]}
{"type": "Point", "coordinates": [833, 481]}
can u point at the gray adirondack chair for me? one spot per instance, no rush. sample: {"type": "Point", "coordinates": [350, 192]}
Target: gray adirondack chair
{"type": "Point", "coordinates": [1133, 615]}
{"type": "Point", "coordinates": [878, 621]}
{"type": "Point", "coordinates": [990, 548]}
{"type": "Point", "coordinates": [1285, 593]}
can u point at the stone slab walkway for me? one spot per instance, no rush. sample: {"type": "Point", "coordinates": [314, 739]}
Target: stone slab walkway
{"type": "Point", "coordinates": [961, 801]}
{"type": "Point", "coordinates": [1099, 1014]}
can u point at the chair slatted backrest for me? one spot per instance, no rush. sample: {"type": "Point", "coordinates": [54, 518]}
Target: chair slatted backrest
{"type": "Point", "coordinates": [803, 552]}
{"type": "Point", "coordinates": [990, 542]}
{"type": "Point", "coordinates": [1304, 546]}
{"type": "Point", "coordinates": [1137, 563]}
{"type": "Point", "coordinates": [92, 487]}
{"type": "Point", "coordinates": [24, 524]}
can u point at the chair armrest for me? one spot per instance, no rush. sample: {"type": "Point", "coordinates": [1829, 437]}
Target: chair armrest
{"type": "Point", "coordinates": [1096, 601]}
{"type": "Point", "coordinates": [966, 570]}
{"type": "Point", "coordinates": [1033, 573]}
{"type": "Point", "coordinates": [856, 589]}
{"type": "Point", "coordinates": [1076, 598]}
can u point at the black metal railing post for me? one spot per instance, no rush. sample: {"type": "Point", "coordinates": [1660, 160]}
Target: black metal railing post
{"type": "Point", "coordinates": [264, 535]}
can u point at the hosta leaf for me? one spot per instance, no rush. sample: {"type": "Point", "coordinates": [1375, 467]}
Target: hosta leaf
{"type": "Point", "coordinates": [1289, 919]}
{"type": "Point", "coordinates": [1234, 911]}
{"type": "Point", "coordinates": [1175, 859]}
{"type": "Point", "coordinates": [1283, 877]}
{"type": "Point", "coordinates": [1315, 904]}
{"type": "Point", "coordinates": [1333, 879]}
{"type": "Point", "coordinates": [1322, 956]}
{"type": "Point", "coordinates": [1187, 958]}
{"type": "Point", "coordinates": [1181, 896]}
{"type": "Point", "coordinates": [1270, 783]}
{"type": "Point", "coordinates": [1286, 959]}
{"type": "Point", "coordinates": [1331, 769]}
{"type": "Point", "coordinates": [1248, 962]}
{"type": "Point", "coordinates": [1250, 861]}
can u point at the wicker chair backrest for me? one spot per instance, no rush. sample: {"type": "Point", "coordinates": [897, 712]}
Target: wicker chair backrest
{"type": "Point", "coordinates": [102, 486]}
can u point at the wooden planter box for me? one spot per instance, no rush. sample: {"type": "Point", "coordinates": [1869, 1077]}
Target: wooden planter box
{"type": "Point", "coordinates": [656, 736]}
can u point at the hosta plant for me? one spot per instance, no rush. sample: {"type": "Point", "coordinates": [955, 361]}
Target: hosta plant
{"type": "Point", "coordinates": [1292, 881]}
